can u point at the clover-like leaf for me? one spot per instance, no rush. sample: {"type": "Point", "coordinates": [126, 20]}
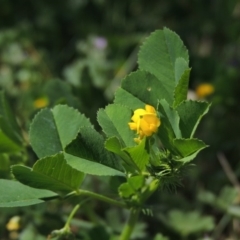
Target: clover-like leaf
{"type": "Point", "coordinates": [160, 55]}
{"type": "Point", "coordinates": [15, 194]}
{"type": "Point", "coordinates": [91, 167]}
{"type": "Point", "coordinates": [133, 185]}
{"type": "Point", "coordinates": [181, 90]}
{"type": "Point", "coordinates": [52, 173]}
{"type": "Point", "coordinates": [113, 144]}
{"type": "Point", "coordinates": [89, 145]}
{"type": "Point", "coordinates": [52, 129]}
{"type": "Point", "coordinates": [186, 223]}
{"type": "Point", "coordinates": [190, 113]}
{"type": "Point", "coordinates": [169, 128]}
{"type": "Point", "coordinates": [114, 121]}
{"type": "Point", "coordinates": [186, 147]}
{"type": "Point", "coordinates": [141, 88]}
{"type": "Point", "coordinates": [139, 154]}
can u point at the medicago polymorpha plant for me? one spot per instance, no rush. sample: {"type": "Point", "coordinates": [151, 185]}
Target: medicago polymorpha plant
{"type": "Point", "coordinates": [147, 138]}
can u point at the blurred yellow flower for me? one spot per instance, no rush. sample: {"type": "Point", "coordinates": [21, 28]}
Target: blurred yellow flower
{"type": "Point", "coordinates": [13, 224]}
{"type": "Point", "coordinates": [204, 89]}
{"type": "Point", "coordinates": [41, 102]}
{"type": "Point", "coordinates": [145, 122]}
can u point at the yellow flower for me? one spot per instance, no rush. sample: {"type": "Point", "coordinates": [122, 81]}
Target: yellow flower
{"type": "Point", "coordinates": [204, 90]}
{"type": "Point", "coordinates": [41, 102]}
{"type": "Point", "coordinates": [13, 224]}
{"type": "Point", "coordinates": [145, 122]}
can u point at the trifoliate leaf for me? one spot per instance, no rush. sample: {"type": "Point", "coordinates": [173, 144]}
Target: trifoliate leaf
{"type": "Point", "coordinates": [51, 130]}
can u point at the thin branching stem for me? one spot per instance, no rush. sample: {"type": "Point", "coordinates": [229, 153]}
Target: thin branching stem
{"type": "Point", "coordinates": [130, 224]}
{"type": "Point", "coordinates": [102, 198]}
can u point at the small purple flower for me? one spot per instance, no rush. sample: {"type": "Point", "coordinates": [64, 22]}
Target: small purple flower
{"type": "Point", "coordinates": [100, 43]}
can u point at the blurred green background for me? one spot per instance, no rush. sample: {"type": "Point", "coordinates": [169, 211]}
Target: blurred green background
{"type": "Point", "coordinates": [76, 52]}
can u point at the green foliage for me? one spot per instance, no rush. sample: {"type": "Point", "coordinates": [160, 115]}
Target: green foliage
{"type": "Point", "coordinates": [114, 122]}
{"type": "Point", "coordinates": [191, 113]}
{"type": "Point", "coordinates": [82, 147]}
{"type": "Point", "coordinates": [167, 61]}
{"type": "Point", "coordinates": [133, 184]}
{"type": "Point", "coordinates": [91, 167]}
{"type": "Point", "coordinates": [36, 48]}
{"type": "Point", "coordinates": [139, 155]}
{"type": "Point", "coordinates": [52, 173]}
{"type": "Point", "coordinates": [225, 202]}
{"type": "Point", "coordinates": [15, 194]}
{"type": "Point", "coordinates": [68, 146]}
{"type": "Point", "coordinates": [188, 223]}
{"type": "Point", "coordinates": [52, 130]}
{"type": "Point", "coordinates": [10, 134]}
{"type": "Point", "coordinates": [160, 237]}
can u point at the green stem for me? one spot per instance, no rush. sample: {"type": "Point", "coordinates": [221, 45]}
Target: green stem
{"type": "Point", "coordinates": [129, 226]}
{"type": "Point", "coordinates": [67, 225]}
{"type": "Point", "coordinates": [102, 198]}
{"type": "Point", "coordinates": [220, 226]}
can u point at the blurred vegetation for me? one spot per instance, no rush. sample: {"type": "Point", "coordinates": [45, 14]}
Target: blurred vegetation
{"type": "Point", "coordinates": [76, 52]}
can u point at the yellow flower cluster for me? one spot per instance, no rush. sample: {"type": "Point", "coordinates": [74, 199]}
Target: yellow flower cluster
{"type": "Point", "coordinates": [13, 224]}
{"type": "Point", "coordinates": [204, 89]}
{"type": "Point", "coordinates": [145, 122]}
{"type": "Point", "coordinates": [41, 102]}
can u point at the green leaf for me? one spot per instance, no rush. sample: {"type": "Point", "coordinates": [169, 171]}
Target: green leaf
{"type": "Point", "coordinates": [169, 128]}
{"type": "Point", "coordinates": [186, 223]}
{"type": "Point", "coordinates": [139, 154]}
{"type": "Point", "coordinates": [7, 145]}
{"type": "Point", "coordinates": [190, 157]}
{"type": "Point", "coordinates": [125, 190]}
{"type": "Point", "coordinates": [160, 237]}
{"type": "Point", "coordinates": [224, 201]}
{"type": "Point", "coordinates": [132, 185]}
{"type": "Point", "coordinates": [159, 55]}
{"type": "Point", "coordinates": [234, 211]}
{"type": "Point", "coordinates": [136, 182]}
{"type": "Point", "coordinates": [181, 90]}
{"type": "Point", "coordinates": [90, 167]}
{"type": "Point", "coordinates": [10, 136]}
{"type": "Point", "coordinates": [114, 145]}
{"type": "Point", "coordinates": [15, 194]}
{"type": "Point", "coordinates": [114, 121]}
{"type": "Point", "coordinates": [144, 86]}
{"type": "Point", "coordinates": [207, 197]}
{"type": "Point", "coordinates": [51, 130]}
{"type": "Point", "coordinates": [180, 66]}
{"type": "Point", "coordinates": [186, 147]}
{"type": "Point", "coordinates": [190, 113]}
{"type": "Point", "coordinates": [52, 173]}
{"type": "Point", "coordinates": [126, 98]}
{"type": "Point", "coordinates": [172, 116]}
{"type": "Point", "coordinates": [89, 145]}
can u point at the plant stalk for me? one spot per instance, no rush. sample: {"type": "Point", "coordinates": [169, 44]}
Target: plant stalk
{"type": "Point", "coordinates": [67, 225]}
{"type": "Point", "coordinates": [102, 198]}
{"type": "Point", "coordinates": [130, 224]}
